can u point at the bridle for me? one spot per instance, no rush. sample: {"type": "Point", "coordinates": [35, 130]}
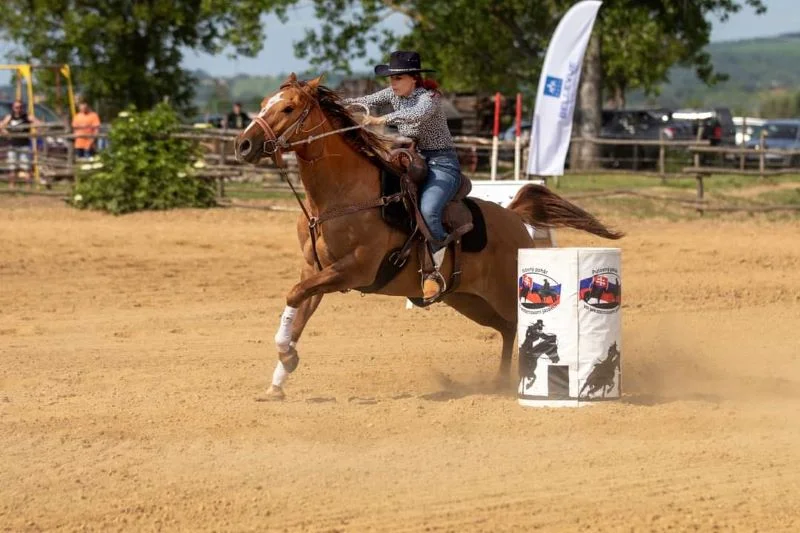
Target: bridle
{"type": "Point", "coordinates": [274, 145]}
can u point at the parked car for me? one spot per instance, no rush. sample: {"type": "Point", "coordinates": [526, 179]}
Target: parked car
{"type": "Point", "coordinates": [627, 124]}
{"type": "Point", "coordinates": [779, 135]}
{"type": "Point", "coordinates": [752, 131]}
{"type": "Point", "coordinates": [639, 124]}
{"type": "Point", "coordinates": [713, 125]}
{"type": "Point", "coordinates": [717, 124]}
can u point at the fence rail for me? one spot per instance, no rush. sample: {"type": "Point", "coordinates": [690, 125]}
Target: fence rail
{"type": "Point", "coordinates": [55, 158]}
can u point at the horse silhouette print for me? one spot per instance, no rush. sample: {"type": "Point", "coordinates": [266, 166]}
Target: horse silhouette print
{"type": "Point", "coordinates": [602, 376]}
{"type": "Point", "coordinates": [537, 344]}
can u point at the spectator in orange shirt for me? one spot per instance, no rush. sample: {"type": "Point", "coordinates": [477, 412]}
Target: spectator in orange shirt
{"type": "Point", "coordinates": [86, 122]}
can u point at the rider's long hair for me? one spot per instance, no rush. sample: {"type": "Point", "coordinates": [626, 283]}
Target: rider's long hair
{"type": "Point", "coordinates": [427, 84]}
{"type": "Point", "coordinates": [375, 147]}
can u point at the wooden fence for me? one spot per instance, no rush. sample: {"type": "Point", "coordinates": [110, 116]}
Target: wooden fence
{"type": "Point", "coordinates": [662, 158]}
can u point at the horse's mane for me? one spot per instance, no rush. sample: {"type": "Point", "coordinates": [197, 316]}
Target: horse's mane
{"type": "Point", "coordinates": [375, 147]}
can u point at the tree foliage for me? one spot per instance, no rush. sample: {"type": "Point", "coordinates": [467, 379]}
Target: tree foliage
{"type": "Point", "coordinates": [128, 52]}
{"type": "Point", "coordinates": [145, 167]}
{"type": "Point", "coordinates": [500, 44]}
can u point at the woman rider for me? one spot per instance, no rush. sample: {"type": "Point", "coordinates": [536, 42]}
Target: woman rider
{"type": "Point", "coordinates": [418, 114]}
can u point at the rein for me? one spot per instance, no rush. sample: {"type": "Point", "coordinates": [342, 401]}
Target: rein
{"type": "Point", "coordinates": [272, 147]}
{"type": "Point", "coordinates": [273, 144]}
{"type": "Point", "coordinates": [336, 212]}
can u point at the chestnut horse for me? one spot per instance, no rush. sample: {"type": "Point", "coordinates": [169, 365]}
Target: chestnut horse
{"type": "Point", "coordinates": [340, 174]}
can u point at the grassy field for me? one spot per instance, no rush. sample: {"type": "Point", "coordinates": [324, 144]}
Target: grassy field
{"type": "Point", "coordinates": [597, 182]}
{"type": "Point", "coordinates": [674, 198]}
{"type": "Point", "coordinates": [638, 195]}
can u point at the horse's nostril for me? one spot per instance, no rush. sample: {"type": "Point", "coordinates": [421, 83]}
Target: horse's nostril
{"type": "Point", "coordinates": [245, 146]}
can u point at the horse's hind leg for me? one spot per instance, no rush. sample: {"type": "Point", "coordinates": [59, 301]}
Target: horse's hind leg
{"type": "Point", "coordinates": [478, 310]}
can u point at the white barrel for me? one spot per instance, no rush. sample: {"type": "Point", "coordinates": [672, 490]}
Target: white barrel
{"type": "Point", "coordinates": [570, 326]}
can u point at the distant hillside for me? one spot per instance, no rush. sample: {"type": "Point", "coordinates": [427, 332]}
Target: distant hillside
{"type": "Point", "coordinates": [756, 68]}
{"type": "Point", "coordinates": [218, 93]}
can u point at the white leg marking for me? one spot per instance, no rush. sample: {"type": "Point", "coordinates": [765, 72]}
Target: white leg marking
{"type": "Point", "coordinates": [280, 375]}
{"type": "Point", "coordinates": [283, 337]}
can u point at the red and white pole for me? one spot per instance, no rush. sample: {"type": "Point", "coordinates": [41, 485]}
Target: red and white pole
{"type": "Point", "coordinates": [495, 135]}
{"type": "Point", "coordinates": [517, 135]}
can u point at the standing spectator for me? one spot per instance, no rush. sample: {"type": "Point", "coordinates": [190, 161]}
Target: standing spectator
{"type": "Point", "coordinates": [237, 119]}
{"type": "Point", "coordinates": [17, 122]}
{"type": "Point", "coordinates": [86, 122]}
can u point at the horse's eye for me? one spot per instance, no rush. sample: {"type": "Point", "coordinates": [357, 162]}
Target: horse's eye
{"type": "Point", "coordinates": [288, 109]}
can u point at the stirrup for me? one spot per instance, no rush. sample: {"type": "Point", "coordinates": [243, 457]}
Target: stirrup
{"type": "Point", "coordinates": [436, 277]}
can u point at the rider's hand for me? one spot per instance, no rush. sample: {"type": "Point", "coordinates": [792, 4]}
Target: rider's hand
{"type": "Point", "coordinates": [369, 120]}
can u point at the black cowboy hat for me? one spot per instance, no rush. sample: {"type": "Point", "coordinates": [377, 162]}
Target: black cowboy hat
{"type": "Point", "coordinates": [401, 62]}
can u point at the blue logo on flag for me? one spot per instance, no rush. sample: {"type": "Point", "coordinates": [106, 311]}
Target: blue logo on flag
{"type": "Point", "coordinates": [552, 86]}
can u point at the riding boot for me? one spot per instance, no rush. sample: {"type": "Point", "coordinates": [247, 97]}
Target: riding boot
{"type": "Point", "coordinates": [433, 283]}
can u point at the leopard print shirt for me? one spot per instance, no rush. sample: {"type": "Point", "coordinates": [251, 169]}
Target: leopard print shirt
{"type": "Point", "coordinates": [418, 115]}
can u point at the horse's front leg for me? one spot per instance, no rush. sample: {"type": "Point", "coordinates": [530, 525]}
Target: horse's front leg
{"type": "Point", "coordinates": [289, 354]}
{"type": "Point", "coordinates": [301, 302]}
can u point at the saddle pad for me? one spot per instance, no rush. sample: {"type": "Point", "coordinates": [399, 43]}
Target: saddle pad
{"type": "Point", "coordinates": [396, 216]}
{"type": "Point", "coordinates": [476, 240]}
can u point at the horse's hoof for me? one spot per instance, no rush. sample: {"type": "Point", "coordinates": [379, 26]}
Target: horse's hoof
{"type": "Point", "coordinates": [290, 360]}
{"type": "Point", "coordinates": [272, 394]}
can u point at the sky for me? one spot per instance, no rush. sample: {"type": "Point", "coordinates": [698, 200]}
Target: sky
{"type": "Point", "coordinates": [783, 16]}
{"type": "Point", "coordinates": [277, 56]}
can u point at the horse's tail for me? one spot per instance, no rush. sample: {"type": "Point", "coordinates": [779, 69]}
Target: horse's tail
{"type": "Point", "coordinates": [539, 206]}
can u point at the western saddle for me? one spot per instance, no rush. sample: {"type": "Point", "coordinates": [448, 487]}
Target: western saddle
{"type": "Point", "coordinates": [408, 168]}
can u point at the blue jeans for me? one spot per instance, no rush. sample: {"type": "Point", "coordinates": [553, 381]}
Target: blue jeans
{"type": "Point", "coordinates": [444, 179]}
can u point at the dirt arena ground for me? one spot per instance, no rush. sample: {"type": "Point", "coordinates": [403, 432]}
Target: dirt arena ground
{"type": "Point", "coordinates": [131, 349]}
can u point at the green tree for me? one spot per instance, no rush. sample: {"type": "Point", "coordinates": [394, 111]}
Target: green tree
{"type": "Point", "coordinates": [643, 39]}
{"type": "Point", "coordinates": [145, 167]}
{"type": "Point", "coordinates": [500, 44]}
{"type": "Point", "coordinates": [128, 52]}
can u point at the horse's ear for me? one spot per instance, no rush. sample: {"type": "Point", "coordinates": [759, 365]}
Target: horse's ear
{"type": "Point", "coordinates": [315, 83]}
{"type": "Point", "coordinates": [292, 78]}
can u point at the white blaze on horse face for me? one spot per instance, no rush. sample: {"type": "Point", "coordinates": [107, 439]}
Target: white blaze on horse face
{"type": "Point", "coordinates": [271, 102]}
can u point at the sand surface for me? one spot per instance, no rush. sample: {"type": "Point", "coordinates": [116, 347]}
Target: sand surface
{"type": "Point", "coordinates": [131, 349]}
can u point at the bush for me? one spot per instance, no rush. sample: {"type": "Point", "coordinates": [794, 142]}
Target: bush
{"type": "Point", "coordinates": [143, 168]}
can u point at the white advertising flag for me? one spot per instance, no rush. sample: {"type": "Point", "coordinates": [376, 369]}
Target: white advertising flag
{"type": "Point", "coordinates": [558, 88]}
